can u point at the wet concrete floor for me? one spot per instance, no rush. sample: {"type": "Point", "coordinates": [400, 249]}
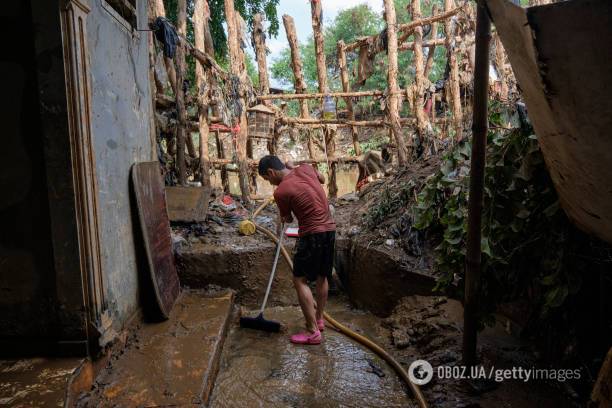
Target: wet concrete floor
{"type": "Point", "coordinates": [263, 369]}
{"type": "Point", "coordinates": [36, 382]}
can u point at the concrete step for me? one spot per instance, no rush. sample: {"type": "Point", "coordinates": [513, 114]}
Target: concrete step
{"type": "Point", "coordinates": [170, 363]}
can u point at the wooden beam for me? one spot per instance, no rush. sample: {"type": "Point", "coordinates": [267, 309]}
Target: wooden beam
{"type": "Point", "coordinates": [237, 70]}
{"type": "Point", "coordinates": [419, 78]}
{"type": "Point", "coordinates": [319, 95]}
{"type": "Point", "coordinates": [346, 87]}
{"type": "Point", "coordinates": [393, 99]}
{"type": "Point", "coordinates": [453, 93]}
{"type": "Point", "coordinates": [432, 49]}
{"type": "Point", "coordinates": [160, 11]}
{"type": "Point", "coordinates": [346, 122]}
{"type": "Point", "coordinates": [259, 43]}
{"type": "Point", "coordinates": [405, 29]}
{"type": "Point", "coordinates": [298, 75]}
{"type": "Point", "coordinates": [201, 14]}
{"type": "Point", "coordinates": [477, 168]}
{"type": "Point", "coordinates": [180, 96]}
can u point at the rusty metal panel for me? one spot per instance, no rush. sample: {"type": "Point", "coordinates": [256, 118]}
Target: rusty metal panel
{"type": "Point", "coordinates": [151, 203]}
{"type": "Point", "coordinates": [187, 204]}
{"type": "Point", "coordinates": [560, 56]}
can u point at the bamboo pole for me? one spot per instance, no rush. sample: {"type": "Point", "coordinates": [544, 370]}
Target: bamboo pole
{"type": "Point", "coordinates": [475, 203]}
{"type": "Point", "coordinates": [160, 11]}
{"type": "Point", "coordinates": [393, 99]}
{"type": "Point", "coordinates": [237, 70]}
{"type": "Point", "coordinates": [346, 87]}
{"type": "Point", "coordinates": [316, 12]}
{"type": "Point", "coordinates": [419, 79]}
{"type": "Point", "coordinates": [259, 44]}
{"type": "Point", "coordinates": [180, 96]}
{"type": "Point", "coordinates": [298, 74]}
{"type": "Point", "coordinates": [201, 14]}
{"type": "Point", "coordinates": [407, 46]}
{"type": "Point", "coordinates": [432, 48]}
{"type": "Point", "coordinates": [453, 92]}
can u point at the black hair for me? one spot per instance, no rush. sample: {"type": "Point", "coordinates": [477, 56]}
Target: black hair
{"type": "Point", "coordinates": [269, 162]}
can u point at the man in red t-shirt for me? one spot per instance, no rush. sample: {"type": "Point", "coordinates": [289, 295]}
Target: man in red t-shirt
{"type": "Point", "coordinates": [299, 192]}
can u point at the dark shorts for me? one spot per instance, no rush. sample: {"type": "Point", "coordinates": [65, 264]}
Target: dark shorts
{"type": "Point", "coordinates": [314, 255]}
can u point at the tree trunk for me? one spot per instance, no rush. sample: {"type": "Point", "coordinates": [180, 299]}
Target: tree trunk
{"type": "Point", "coordinates": [259, 43]}
{"type": "Point", "coordinates": [393, 98]}
{"type": "Point", "coordinates": [453, 93]}
{"type": "Point", "coordinates": [237, 69]}
{"type": "Point", "coordinates": [201, 15]}
{"type": "Point", "coordinates": [316, 12]}
{"type": "Point", "coordinates": [419, 79]}
{"type": "Point", "coordinates": [298, 74]}
{"type": "Point", "coordinates": [346, 87]}
{"type": "Point", "coordinates": [221, 155]}
{"type": "Point", "coordinates": [181, 128]}
{"type": "Point", "coordinates": [160, 11]}
{"type": "Point", "coordinates": [432, 49]}
{"type": "Point", "coordinates": [500, 62]}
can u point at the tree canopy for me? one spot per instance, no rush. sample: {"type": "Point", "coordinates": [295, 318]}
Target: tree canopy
{"type": "Point", "coordinates": [348, 25]}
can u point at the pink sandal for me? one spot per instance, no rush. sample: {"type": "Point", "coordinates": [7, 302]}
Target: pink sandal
{"type": "Point", "coordinates": [306, 338]}
{"type": "Point", "coordinates": [321, 324]}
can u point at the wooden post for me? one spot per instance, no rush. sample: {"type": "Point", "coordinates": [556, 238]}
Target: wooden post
{"type": "Point", "coordinates": [500, 62]}
{"type": "Point", "coordinates": [393, 98]}
{"type": "Point", "coordinates": [298, 74]}
{"type": "Point", "coordinates": [346, 87]}
{"type": "Point", "coordinates": [316, 12]}
{"type": "Point", "coordinates": [201, 14]}
{"type": "Point", "coordinates": [432, 49]}
{"type": "Point", "coordinates": [237, 70]}
{"type": "Point", "coordinates": [453, 93]}
{"type": "Point", "coordinates": [259, 43]}
{"type": "Point", "coordinates": [221, 155]}
{"type": "Point", "coordinates": [419, 79]}
{"type": "Point", "coordinates": [475, 203]}
{"type": "Point", "coordinates": [160, 11]}
{"type": "Point", "coordinates": [181, 128]}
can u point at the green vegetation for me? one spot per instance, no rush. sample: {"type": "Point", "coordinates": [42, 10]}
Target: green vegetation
{"type": "Point", "coordinates": [349, 25]}
{"type": "Point", "coordinates": [526, 239]}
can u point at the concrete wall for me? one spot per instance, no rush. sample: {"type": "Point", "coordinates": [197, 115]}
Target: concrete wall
{"type": "Point", "coordinates": [121, 114]}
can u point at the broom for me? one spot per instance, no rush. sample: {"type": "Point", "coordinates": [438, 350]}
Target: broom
{"type": "Point", "coordinates": [259, 322]}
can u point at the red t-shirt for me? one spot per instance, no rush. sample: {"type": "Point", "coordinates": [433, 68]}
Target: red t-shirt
{"type": "Point", "coordinates": [300, 192]}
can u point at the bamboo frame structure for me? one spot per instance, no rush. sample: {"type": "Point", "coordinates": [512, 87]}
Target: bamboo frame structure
{"type": "Point", "coordinates": [208, 73]}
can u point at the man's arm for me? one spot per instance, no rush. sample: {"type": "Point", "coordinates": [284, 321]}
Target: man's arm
{"type": "Point", "coordinates": [283, 209]}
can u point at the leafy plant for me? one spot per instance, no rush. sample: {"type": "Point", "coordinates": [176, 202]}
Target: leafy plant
{"type": "Point", "coordinates": [524, 235]}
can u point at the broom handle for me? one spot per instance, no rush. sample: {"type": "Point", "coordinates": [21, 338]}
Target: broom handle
{"type": "Point", "coordinates": [278, 248]}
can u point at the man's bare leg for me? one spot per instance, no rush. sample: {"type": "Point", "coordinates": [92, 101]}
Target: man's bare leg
{"type": "Point", "coordinates": [321, 296]}
{"type": "Point", "coordinates": [306, 302]}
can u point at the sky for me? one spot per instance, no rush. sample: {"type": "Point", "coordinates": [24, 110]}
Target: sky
{"type": "Point", "coordinates": [300, 11]}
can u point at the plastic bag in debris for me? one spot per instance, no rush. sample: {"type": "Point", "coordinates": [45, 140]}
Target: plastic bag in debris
{"type": "Point", "coordinates": [166, 34]}
{"type": "Point", "coordinates": [178, 242]}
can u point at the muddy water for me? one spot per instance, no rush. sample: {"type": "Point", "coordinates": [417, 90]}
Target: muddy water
{"type": "Point", "coordinates": [262, 369]}
{"type": "Point", "coordinates": [345, 177]}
